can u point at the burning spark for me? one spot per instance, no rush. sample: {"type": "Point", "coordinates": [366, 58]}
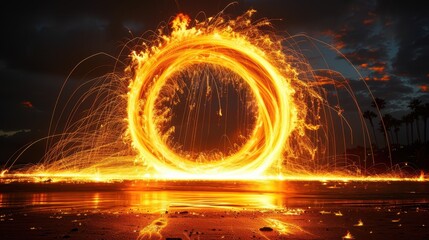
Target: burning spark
{"type": "Point", "coordinates": [153, 230]}
{"type": "Point", "coordinates": [348, 236]}
{"type": "Point", "coordinates": [284, 228]}
{"type": "Point", "coordinates": [278, 225]}
{"type": "Point", "coordinates": [323, 212]}
{"type": "Point", "coordinates": [359, 223]}
{"type": "Point", "coordinates": [294, 212]}
{"type": "Point", "coordinates": [338, 214]}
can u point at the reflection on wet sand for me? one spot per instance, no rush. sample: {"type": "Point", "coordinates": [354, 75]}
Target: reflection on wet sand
{"type": "Point", "coordinates": [215, 210]}
{"type": "Point", "coordinates": [158, 196]}
{"type": "Point", "coordinates": [152, 201]}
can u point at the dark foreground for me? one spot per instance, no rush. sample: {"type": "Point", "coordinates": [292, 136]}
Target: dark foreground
{"type": "Point", "coordinates": [215, 210]}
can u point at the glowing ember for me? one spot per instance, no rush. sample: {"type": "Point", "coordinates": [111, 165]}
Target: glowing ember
{"type": "Point", "coordinates": [153, 230]}
{"type": "Point", "coordinates": [348, 236]}
{"type": "Point", "coordinates": [359, 223]}
{"type": "Point", "coordinates": [284, 228]}
{"type": "Point", "coordinates": [338, 214]}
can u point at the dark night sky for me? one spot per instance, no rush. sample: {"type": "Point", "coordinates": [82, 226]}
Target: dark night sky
{"type": "Point", "coordinates": [388, 42]}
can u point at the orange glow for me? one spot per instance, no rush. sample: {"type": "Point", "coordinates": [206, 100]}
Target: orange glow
{"type": "Point", "coordinates": [383, 78]}
{"type": "Point", "coordinates": [424, 88]}
{"type": "Point", "coordinates": [340, 45]}
{"type": "Point", "coordinates": [378, 69]}
{"type": "Point", "coordinates": [337, 37]}
{"type": "Point", "coordinates": [422, 176]}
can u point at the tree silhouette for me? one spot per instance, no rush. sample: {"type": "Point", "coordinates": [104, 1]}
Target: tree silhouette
{"type": "Point", "coordinates": [396, 124]}
{"type": "Point", "coordinates": [425, 115]}
{"type": "Point", "coordinates": [386, 121]}
{"type": "Point", "coordinates": [368, 114]}
{"type": "Point", "coordinates": [415, 105]}
{"type": "Point", "coordinates": [407, 119]}
{"type": "Point", "coordinates": [378, 104]}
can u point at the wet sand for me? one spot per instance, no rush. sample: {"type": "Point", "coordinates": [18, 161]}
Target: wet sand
{"type": "Point", "coordinates": [215, 210]}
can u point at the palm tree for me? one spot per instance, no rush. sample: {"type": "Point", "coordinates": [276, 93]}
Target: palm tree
{"type": "Point", "coordinates": [410, 117]}
{"type": "Point", "coordinates": [425, 115]}
{"type": "Point", "coordinates": [378, 104]}
{"type": "Point", "coordinates": [368, 114]}
{"type": "Point", "coordinates": [415, 105]}
{"type": "Point", "coordinates": [407, 120]}
{"type": "Point", "coordinates": [386, 123]}
{"type": "Point", "coordinates": [396, 124]}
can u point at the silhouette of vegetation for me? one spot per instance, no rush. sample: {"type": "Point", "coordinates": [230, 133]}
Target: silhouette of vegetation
{"type": "Point", "coordinates": [406, 136]}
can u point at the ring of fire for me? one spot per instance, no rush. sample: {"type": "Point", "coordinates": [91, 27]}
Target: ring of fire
{"type": "Point", "coordinates": [187, 47]}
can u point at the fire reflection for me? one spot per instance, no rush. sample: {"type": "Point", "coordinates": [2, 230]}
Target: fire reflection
{"type": "Point", "coordinates": [153, 230]}
{"type": "Point", "coordinates": [39, 199]}
{"type": "Point", "coordinates": [96, 199]}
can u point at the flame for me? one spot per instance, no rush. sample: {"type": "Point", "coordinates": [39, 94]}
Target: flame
{"type": "Point", "coordinates": [180, 23]}
{"type": "Point", "coordinates": [193, 48]}
{"type": "Point", "coordinates": [359, 223]}
{"type": "Point", "coordinates": [422, 176]}
{"type": "Point", "coordinates": [348, 236]}
{"type": "Point", "coordinates": [338, 214]}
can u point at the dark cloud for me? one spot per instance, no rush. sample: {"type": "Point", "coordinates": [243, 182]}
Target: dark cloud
{"type": "Point", "coordinates": [411, 23]}
{"type": "Point", "coordinates": [12, 133]}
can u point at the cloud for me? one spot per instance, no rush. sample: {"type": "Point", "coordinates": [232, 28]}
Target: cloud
{"type": "Point", "coordinates": [410, 22]}
{"type": "Point", "coordinates": [4, 133]}
{"type": "Point", "coordinates": [424, 88]}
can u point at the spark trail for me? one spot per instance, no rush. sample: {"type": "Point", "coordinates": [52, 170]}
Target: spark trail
{"type": "Point", "coordinates": [236, 47]}
{"type": "Point", "coordinates": [194, 77]}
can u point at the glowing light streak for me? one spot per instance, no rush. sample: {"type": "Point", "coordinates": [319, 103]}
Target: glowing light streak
{"type": "Point", "coordinates": [348, 236]}
{"type": "Point", "coordinates": [188, 48]}
{"type": "Point", "coordinates": [359, 223]}
{"type": "Point", "coordinates": [153, 230]}
{"type": "Point", "coordinates": [128, 133]}
{"type": "Point", "coordinates": [284, 228]}
{"type": "Point", "coordinates": [90, 175]}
